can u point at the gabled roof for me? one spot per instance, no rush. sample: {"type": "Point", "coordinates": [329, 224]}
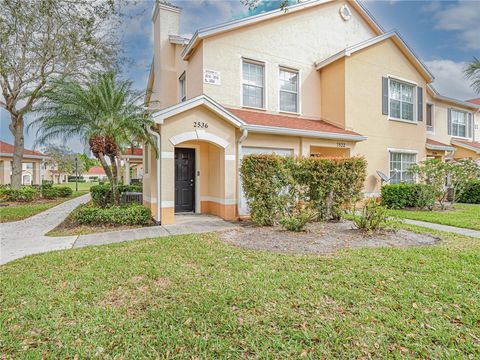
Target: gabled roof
{"type": "Point", "coordinates": [249, 20]}
{"type": "Point", "coordinates": [475, 101]}
{"type": "Point", "coordinates": [96, 170]}
{"type": "Point", "coordinates": [395, 36]}
{"type": "Point", "coordinates": [201, 100]}
{"type": "Point", "coordinates": [436, 95]}
{"type": "Point", "coordinates": [7, 149]}
{"type": "Point", "coordinates": [470, 145]}
{"type": "Point", "coordinates": [437, 145]}
{"type": "Point", "coordinates": [257, 121]}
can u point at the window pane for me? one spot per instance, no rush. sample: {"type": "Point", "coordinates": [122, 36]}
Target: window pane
{"type": "Point", "coordinates": [394, 90]}
{"type": "Point", "coordinates": [252, 96]}
{"type": "Point", "coordinates": [395, 108]}
{"type": "Point", "coordinates": [253, 83]}
{"type": "Point", "coordinates": [407, 111]}
{"type": "Point", "coordinates": [288, 80]}
{"type": "Point", "coordinates": [288, 101]}
{"type": "Point", "coordinates": [407, 93]}
{"type": "Point", "coordinates": [429, 115]}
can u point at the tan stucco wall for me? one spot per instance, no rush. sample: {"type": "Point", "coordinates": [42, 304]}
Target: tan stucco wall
{"type": "Point", "coordinates": [333, 93]}
{"type": "Point", "coordinates": [364, 72]}
{"type": "Point", "coordinates": [440, 119]}
{"type": "Point", "coordinates": [295, 40]}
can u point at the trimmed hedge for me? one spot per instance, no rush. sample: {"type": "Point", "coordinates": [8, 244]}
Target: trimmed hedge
{"type": "Point", "coordinates": [30, 193]}
{"type": "Point", "coordinates": [133, 214]}
{"type": "Point", "coordinates": [401, 196]}
{"type": "Point", "coordinates": [102, 194]}
{"type": "Point", "coordinates": [24, 194]}
{"type": "Point", "coordinates": [471, 194]}
{"type": "Point", "coordinates": [52, 192]}
{"type": "Point", "coordinates": [276, 187]}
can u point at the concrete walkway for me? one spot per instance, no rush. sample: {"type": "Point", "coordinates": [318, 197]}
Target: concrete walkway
{"type": "Point", "coordinates": [452, 229]}
{"type": "Point", "coordinates": [27, 237]}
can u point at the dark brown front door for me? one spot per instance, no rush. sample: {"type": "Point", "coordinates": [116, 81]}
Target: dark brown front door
{"type": "Point", "coordinates": [184, 180]}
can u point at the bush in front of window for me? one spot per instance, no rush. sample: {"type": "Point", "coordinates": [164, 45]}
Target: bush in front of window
{"type": "Point", "coordinates": [277, 187]}
{"type": "Point", "coordinates": [401, 196]}
{"type": "Point", "coordinates": [471, 194]}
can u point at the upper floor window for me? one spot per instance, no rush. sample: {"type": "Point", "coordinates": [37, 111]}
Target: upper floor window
{"type": "Point", "coordinates": [401, 100]}
{"type": "Point", "coordinates": [253, 84]}
{"type": "Point", "coordinates": [288, 90]}
{"type": "Point", "coordinates": [430, 117]}
{"type": "Point", "coordinates": [182, 85]}
{"type": "Point", "coordinates": [399, 165]}
{"type": "Point", "coordinates": [458, 123]}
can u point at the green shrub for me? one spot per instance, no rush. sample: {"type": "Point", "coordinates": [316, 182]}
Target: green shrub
{"type": "Point", "coordinates": [24, 194]}
{"type": "Point", "coordinates": [274, 185]}
{"type": "Point", "coordinates": [401, 196]}
{"type": "Point", "coordinates": [134, 214]}
{"type": "Point", "coordinates": [49, 192]}
{"type": "Point", "coordinates": [64, 191]}
{"type": "Point", "coordinates": [297, 220]}
{"type": "Point", "coordinates": [373, 217]}
{"type": "Point", "coordinates": [265, 179]}
{"type": "Point", "coordinates": [102, 194]}
{"type": "Point", "coordinates": [471, 194]}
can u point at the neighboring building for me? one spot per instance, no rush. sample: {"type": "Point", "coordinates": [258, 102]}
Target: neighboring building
{"type": "Point", "coordinates": [320, 79]}
{"type": "Point", "coordinates": [477, 119]}
{"type": "Point", "coordinates": [133, 165]}
{"type": "Point", "coordinates": [52, 174]}
{"type": "Point", "coordinates": [95, 173]}
{"type": "Point", "coordinates": [31, 165]}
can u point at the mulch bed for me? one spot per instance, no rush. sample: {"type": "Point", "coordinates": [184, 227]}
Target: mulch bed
{"type": "Point", "coordinates": [320, 238]}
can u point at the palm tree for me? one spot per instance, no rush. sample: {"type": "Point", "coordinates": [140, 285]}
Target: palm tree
{"type": "Point", "coordinates": [472, 72]}
{"type": "Point", "coordinates": [105, 112]}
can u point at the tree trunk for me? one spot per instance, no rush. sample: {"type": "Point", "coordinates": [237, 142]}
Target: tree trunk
{"type": "Point", "coordinates": [115, 192]}
{"type": "Point", "coordinates": [16, 127]}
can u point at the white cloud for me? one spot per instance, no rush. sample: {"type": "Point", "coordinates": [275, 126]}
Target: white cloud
{"type": "Point", "coordinates": [449, 78]}
{"type": "Point", "coordinates": [463, 17]}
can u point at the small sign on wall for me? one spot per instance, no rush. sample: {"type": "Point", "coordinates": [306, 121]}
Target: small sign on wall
{"type": "Point", "coordinates": [211, 77]}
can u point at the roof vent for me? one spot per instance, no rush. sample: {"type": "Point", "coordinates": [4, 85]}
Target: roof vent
{"type": "Point", "coordinates": [345, 13]}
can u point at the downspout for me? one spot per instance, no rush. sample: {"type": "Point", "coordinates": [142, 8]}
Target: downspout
{"type": "Point", "coordinates": [159, 179]}
{"type": "Point", "coordinates": [239, 164]}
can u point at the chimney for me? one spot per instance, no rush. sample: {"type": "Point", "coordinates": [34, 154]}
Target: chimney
{"type": "Point", "coordinates": [166, 22]}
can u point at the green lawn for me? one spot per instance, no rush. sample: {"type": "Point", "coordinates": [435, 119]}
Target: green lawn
{"type": "Point", "coordinates": [23, 211]}
{"type": "Point", "coordinates": [82, 186]}
{"type": "Point", "coordinates": [463, 215]}
{"type": "Point", "coordinates": [191, 296]}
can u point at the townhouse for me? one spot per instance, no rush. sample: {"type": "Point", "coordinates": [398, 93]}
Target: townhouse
{"type": "Point", "coordinates": [322, 78]}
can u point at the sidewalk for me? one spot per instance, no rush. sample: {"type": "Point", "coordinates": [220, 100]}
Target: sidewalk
{"type": "Point", "coordinates": [26, 237]}
{"type": "Point", "coordinates": [452, 229]}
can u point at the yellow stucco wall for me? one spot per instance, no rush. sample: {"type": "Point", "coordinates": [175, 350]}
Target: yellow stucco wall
{"type": "Point", "coordinates": [363, 92]}
{"type": "Point", "coordinates": [293, 41]}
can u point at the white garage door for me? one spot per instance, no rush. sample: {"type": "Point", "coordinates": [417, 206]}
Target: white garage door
{"type": "Point", "coordinates": [258, 150]}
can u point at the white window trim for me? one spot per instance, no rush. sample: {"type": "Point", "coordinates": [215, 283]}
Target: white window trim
{"type": "Point", "coordinates": [299, 102]}
{"type": "Point", "coordinates": [180, 97]}
{"type": "Point", "coordinates": [432, 131]}
{"type": "Point", "coordinates": [402, 151]}
{"type": "Point", "coordinates": [415, 100]}
{"type": "Point", "coordinates": [258, 62]}
{"type": "Point", "coordinates": [466, 125]}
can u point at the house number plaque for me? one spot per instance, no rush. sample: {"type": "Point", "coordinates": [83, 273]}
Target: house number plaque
{"type": "Point", "coordinates": [200, 125]}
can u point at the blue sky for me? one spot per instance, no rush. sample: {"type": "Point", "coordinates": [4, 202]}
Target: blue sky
{"type": "Point", "coordinates": [444, 34]}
